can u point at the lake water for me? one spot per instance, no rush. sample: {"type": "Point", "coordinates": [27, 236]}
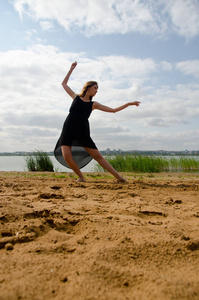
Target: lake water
{"type": "Point", "coordinates": [18, 163]}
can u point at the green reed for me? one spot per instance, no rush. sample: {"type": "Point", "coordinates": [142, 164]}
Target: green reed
{"type": "Point", "coordinates": [40, 161]}
{"type": "Point", "coordinates": [189, 164]}
{"type": "Point", "coordinates": [152, 164]}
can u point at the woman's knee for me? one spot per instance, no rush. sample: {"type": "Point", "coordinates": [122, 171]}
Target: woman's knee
{"type": "Point", "coordinates": [97, 156]}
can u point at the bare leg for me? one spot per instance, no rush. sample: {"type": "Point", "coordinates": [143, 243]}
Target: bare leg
{"type": "Point", "coordinates": [100, 159]}
{"type": "Point", "coordinates": [66, 152]}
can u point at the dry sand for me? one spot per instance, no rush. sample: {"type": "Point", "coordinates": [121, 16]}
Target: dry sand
{"type": "Point", "coordinates": [99, 240]}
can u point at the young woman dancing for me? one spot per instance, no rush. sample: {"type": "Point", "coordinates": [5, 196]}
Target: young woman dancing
{"type": "Point", "coordinates": [75, 148]}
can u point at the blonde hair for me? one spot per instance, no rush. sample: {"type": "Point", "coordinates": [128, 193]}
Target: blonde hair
{"type": "Point", "coordinates": [85, 88]}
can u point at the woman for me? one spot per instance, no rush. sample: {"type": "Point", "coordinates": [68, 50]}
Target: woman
{"type": "Point", "coordinates": [75, 148]}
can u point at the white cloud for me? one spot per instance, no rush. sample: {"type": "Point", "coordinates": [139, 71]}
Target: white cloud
{"type": "Point", "coordinates": [115, 16]}
{"type": "Point", "coordinates": [184, 15]}
{"type": "Point", "coordinates": [29, 34]}
{"type": "Point", "coordinates": [46, 25]}
{"type": "Point", "coordinates": [123, 67]}
{"type": "Point", "coordinates": [189, 67]}
{"type": "Point", "coordinates": [166, 66]}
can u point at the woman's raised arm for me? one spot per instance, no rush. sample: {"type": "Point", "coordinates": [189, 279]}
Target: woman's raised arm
{"type": "Point", "coordinates": [65, 81]}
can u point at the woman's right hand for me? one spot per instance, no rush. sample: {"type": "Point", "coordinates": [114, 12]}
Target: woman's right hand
{"type": "Point", "coordinates": [73, 66]}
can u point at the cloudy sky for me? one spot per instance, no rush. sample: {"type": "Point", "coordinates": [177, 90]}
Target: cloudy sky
{"type": "Point", "coordinates": [136, 50]}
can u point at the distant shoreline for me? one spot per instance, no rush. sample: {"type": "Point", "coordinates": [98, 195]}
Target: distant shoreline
{"type": "Point", "coordinates": [118, 152]}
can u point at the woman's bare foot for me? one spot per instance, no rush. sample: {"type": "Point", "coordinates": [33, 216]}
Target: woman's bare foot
{"type": "Point", "coordinates": [81, 180]}
{"type": "Point", "coordinates": [121, 179]}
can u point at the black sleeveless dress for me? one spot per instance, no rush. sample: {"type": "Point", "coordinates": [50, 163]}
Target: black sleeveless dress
{"type": "Point", "coordinates": [76, 133]}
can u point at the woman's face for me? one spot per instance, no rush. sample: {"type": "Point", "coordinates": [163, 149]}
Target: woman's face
{"type": "Point", "coordinates": [93, 90]}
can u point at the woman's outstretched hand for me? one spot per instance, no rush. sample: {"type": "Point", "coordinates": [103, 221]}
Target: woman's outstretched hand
{"type": "Point", "coordinates": [137, 103]}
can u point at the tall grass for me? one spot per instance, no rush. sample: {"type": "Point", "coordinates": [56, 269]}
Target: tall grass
{"type": "Point", "coordinates": [151, 164]}
{"type": "Point", "coordinates": [40, 161]}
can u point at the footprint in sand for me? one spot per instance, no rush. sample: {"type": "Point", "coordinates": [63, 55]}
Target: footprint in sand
{"type": "Point", "coordinates": [50, 196]}
{"type": "Point", "coordinates": [55, 187]}
{"type": "Point", "coordinates": [172, 202]}
{"type": "Point", "coordinates": [153, 214]}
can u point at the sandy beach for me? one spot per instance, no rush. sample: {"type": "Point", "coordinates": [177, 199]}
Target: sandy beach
{"type": "Point", "coordinates": [99, 239]}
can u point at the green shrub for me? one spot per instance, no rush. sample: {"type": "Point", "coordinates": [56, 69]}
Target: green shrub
{"type": "Point", "coordinates": [40, 161]}
{"type": "Point", "coordinates": [30, 163]}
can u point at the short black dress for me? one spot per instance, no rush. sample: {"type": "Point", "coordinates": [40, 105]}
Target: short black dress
{"type": "Point", "coordinates": [76, 133]}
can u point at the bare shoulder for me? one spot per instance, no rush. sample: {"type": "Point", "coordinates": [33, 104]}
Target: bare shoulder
{"type": "Point", "coordinates": [96, 105]}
